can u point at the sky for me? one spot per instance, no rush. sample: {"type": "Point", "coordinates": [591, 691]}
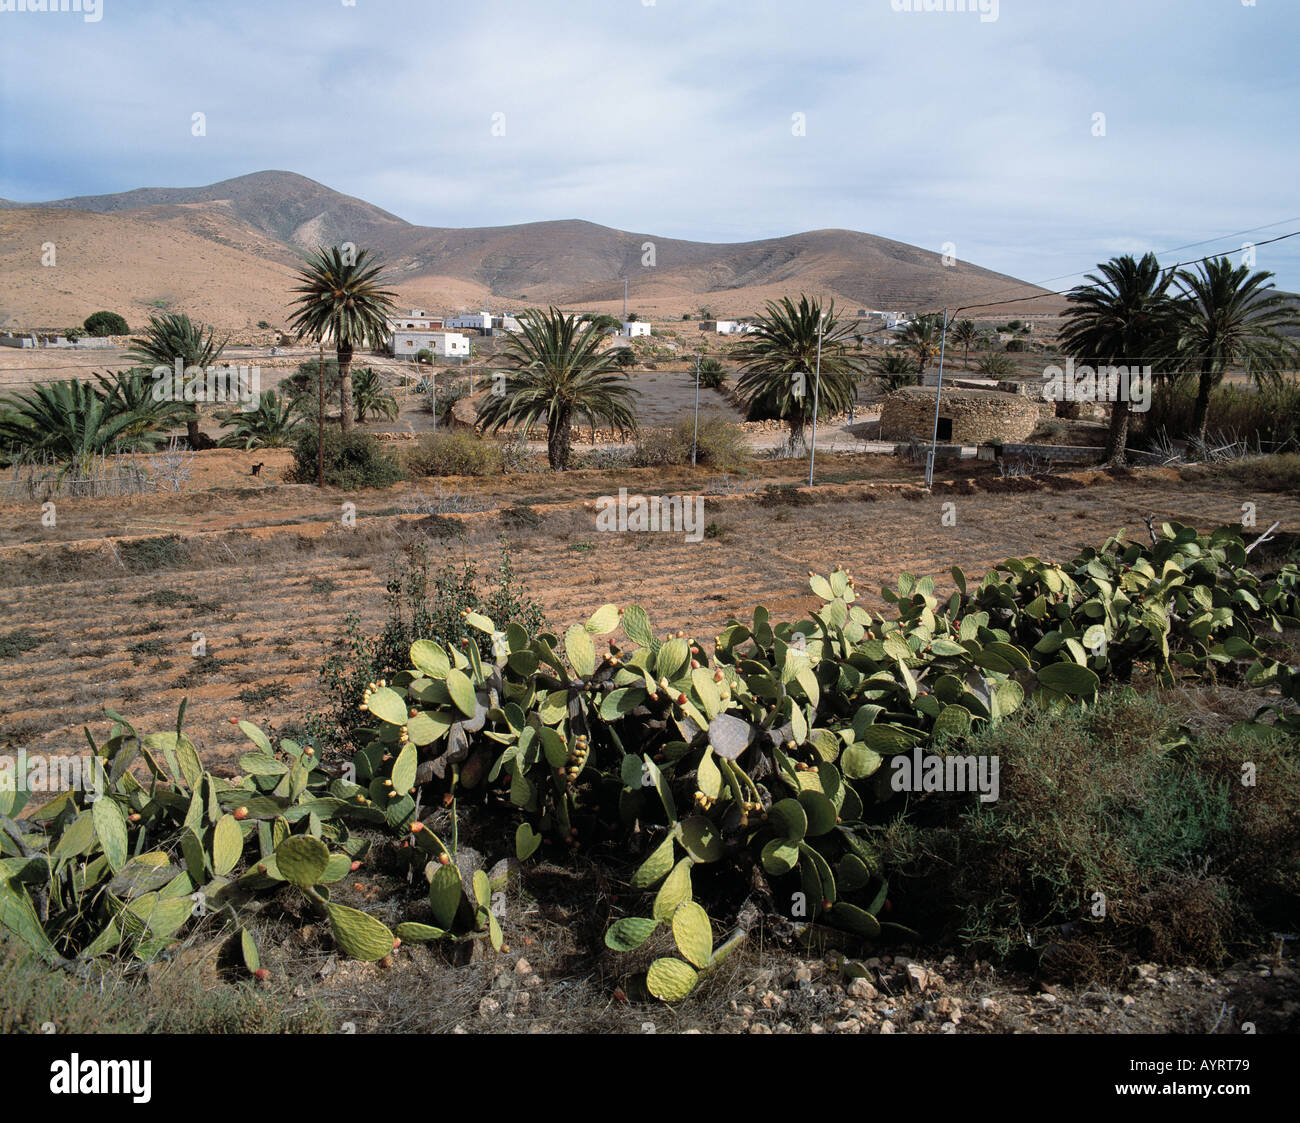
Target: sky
{"type": "Point", "coordinates": [975, 133]}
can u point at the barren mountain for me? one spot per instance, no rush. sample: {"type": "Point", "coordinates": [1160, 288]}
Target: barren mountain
{"type": "Point", "coordinates": [226, 252]}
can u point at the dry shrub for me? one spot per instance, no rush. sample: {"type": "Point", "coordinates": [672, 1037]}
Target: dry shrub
{"type": "Point", "coordinates": [457, 452]}
{"type": "Point", "coordinates": [1125, 800]}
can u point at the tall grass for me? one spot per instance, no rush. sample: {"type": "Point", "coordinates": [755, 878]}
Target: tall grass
{"type": "Point", "coordinates": [1268, 416]}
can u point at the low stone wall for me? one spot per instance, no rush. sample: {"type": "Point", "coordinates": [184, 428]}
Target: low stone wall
{"type": "Point", "coordinates": [977, 416]}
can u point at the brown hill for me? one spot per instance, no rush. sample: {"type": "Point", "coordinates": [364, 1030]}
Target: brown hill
{"type": "Point", "coordinates": [226, 253]}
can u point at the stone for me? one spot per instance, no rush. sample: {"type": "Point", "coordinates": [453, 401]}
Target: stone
{"type": "Point", "coordinates": [489, 1007]}
{"type": "Point", "coordinates": [861, 988]}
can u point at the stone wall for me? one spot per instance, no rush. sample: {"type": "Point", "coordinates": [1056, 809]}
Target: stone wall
{"type": "Point", "coordinates": [978, 416]}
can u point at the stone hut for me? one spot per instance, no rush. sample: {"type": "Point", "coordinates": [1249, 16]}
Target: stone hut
{"type": "Point", "coordinates": [968, 417]}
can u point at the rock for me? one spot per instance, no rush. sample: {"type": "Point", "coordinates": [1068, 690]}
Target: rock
{"type": "Point", "coordinates": [851, 1025]}
{"type": "Point", "coordinates": [647, 1027]}
{"type": "Point", "coordinates": [532, 980]}
{"type": "Point", "coordinates": [948, 1027]}
{"type": "Point", "coordinates": [948, 1008]}
{"type": "Point", "coordinates": [860, 988]}
{"type": "Point", "coordinates": [990, 1006]}
{"type": "Point", "coordinates": [816, 1027]}
{"type": "Point", "coordinates": [919, 978]}
{"type": "Point", "coordinates": [1145, 970]}
{"type": "Point", "coordinates": [1127, 1000]}
{"type": "Point", "coordinates": [489, 1007]}
{"type": "Point", "coordinates": [888, 1027]}
{"type": "Point", "coordinates": [1049, 999]}
{"type": "Point", "coordinates": [916, 1027]}
{"type": "Point", "coordinates": [784, 1027]}
{"type": "Point", "coordinates": [523, 967]}
{"type": "Point", "coordinates": [759, 1027]}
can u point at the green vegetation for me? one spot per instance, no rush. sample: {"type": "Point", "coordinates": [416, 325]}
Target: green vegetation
{"type": "Point", "coordinates": [175, 336]}
{"type": "Point", "coordinates": [342, 302]}
{"type": "Point", "coordinates": [352, 460]}
{"type": "Point", "coordinates": [100, 324]}
{"type": "Point", "coordinates": [275, 423]}
{"type": "Point", "coordinates": [559, 377]}
{"type": "Point", "coordinates": [74, 422]}
{"type": "Point", "coordinates": [458, 452]}
{"type": "Point", "coordinates": [721, 444]}
{"type": "Point", "coordinates": [765, 751]}
{"type": "Point", "coordinates": [1120, 832]}
{"type": "Point", "coordinates": [893, 369]}
{"type": "Point", "coordinates": [370, 397]}
{"type": "Point", "coordinates": [780, 360]}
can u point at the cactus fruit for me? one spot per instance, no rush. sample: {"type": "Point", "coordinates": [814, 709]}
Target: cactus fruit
{"type": "Point", "coordinates": [241, 812]}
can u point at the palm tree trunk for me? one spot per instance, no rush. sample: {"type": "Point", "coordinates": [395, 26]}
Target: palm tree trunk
{"type": "Point", "coordinates": [1117, 437]}
{"type": "Point", "coordinates": [559, 442]}
{"type": "Point", "coordinates": [345, 386]}
{"type": "Point", "coordinates": [192, 434]}
{"type": "Point", "coordinates": [1201, 415]}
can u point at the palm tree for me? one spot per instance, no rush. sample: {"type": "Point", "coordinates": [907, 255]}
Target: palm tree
{"type": "Point", "coordinates": [893, 369]}
{"type": "Point", "coordinates": [558, 375]}
{"type": "Point", "coordinates": [1228, 316]}
{"type": "Point", "coordinates": [779, 361]}
{"type": "Point", "coordinates": [275, 423]}
{"type": "Point", "coordinates": [341, 301]}
{"type": "Point", "coordinates": [69, 421]}
{"type": "Point", "coordinates": [965, 332]}
{"type": "Point", "coordinates": [369, 395]}
{"type": "Point", "coordinates": [1119, 317]}
{"type": "Point", "coordinates": [921, 337]}
{"type": "Point", "coordinates": [175, 336]}
{"type": "Point", "coordinates": [130, 392]}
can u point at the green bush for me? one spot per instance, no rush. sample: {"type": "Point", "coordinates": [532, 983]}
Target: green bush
{"type": "Point", "coordinates": [353, 460]}
{"type": "Point", "coordinates": [1118, 800]}
{"type": "Point", "coordinates": [419, 606]}
{"type": "Point", "coordinates": [100, 324]}
{"type": "Point", "coordinates": [721, 444]}
{"type": "Point", "coordinates": [712, 374]}
{"type": "Point", "coordinates": [457, 452]}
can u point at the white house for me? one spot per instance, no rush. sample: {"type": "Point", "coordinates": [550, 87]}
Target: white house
{"type": "Point", "coordinates": [471, 321]}
{"type": "Point", "coordinates": [633, 328]}
{"type": "Point", "coordinates": [895, 320]}
{"type": "Point", "coordinates": [417, 319]}
{"type": "Point", "coordinates": [444, 344]}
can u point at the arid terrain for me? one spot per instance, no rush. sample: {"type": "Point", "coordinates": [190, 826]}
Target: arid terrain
{"type": "Point", "coordinates": [226, 252]}
{"type": "Point", "coordinates": [114, 594]}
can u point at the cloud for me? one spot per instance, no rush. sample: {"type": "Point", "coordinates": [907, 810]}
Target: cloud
{"type": "Point", "coordinates": [675, 118]}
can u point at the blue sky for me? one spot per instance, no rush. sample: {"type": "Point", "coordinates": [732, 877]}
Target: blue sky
{"type": "Point", "coordinates": [676, 117]}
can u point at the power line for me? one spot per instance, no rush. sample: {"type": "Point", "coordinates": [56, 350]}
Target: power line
{"type": "Point", "coordinates": [1064, 292]}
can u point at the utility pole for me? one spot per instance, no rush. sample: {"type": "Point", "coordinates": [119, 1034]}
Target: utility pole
{"type": "Point", "coordinates": [695, 440]}
{"type": "Point", "coordinates": [817, 385]}
{"type": "Point", "coordinates": [938, 393]}
{"type": "Point", "coordinates": [625, 300]}
{"type": "Point", "coordinates": [320, 420]}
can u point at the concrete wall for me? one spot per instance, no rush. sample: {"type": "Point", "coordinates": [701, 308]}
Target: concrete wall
{"type": "Point", "coordinates": [978, 416]}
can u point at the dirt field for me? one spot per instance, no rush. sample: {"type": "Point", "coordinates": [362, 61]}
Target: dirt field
{"type": "Point", "coordinates": [105, 608]}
